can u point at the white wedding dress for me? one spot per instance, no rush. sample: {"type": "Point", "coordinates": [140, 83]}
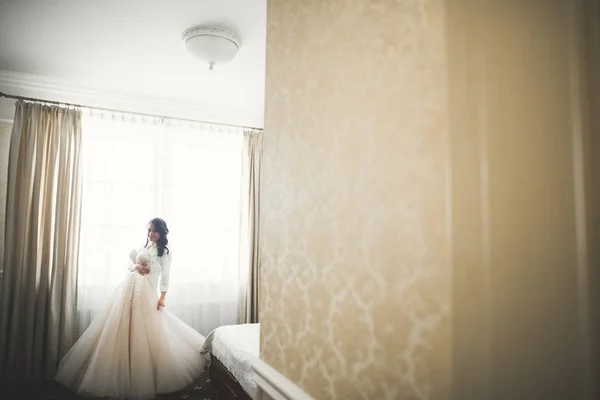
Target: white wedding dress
{"type": "Point", "coordinates": [131, 350]}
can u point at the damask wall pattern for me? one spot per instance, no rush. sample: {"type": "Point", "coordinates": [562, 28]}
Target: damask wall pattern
{"type": "Point", "coordinates": [355, 284]}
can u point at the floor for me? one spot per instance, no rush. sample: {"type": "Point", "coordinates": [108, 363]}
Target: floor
{"type": "Point", "coordinates": [201, 389]}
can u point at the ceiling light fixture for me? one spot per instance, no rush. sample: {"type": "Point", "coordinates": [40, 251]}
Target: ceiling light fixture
{"type": "Point", "coordinates": [212, 45]}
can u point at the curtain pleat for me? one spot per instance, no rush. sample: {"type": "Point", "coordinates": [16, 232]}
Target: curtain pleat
{"type": "Point", "coordinates": [249, 300]}
{"type": "Point", "coordinates": [38, 292]}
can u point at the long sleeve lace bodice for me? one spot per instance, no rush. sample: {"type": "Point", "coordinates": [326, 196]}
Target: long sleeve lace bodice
{"type": "Point", "coordinates": [159, 266]}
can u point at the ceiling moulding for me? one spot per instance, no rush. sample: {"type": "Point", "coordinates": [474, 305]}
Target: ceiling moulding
{"type": "Point", "coordinates": [30, 85]}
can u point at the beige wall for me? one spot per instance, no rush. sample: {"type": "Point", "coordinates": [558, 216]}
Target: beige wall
{"type": "Point", "coordinates": [519, 139]}
{"type": "Point", "coordinates": [355, 276]}
{"type": "Point", "coordinates": [361, 296]}
{"type": "Point", "coordinates": [591, 25]}
{"type": "Point", "coordinates": [5, 130]}
{"type": "Point", "coordinates": [7, 109]}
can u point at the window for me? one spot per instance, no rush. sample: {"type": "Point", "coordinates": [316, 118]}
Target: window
{"type": "Point", "coordinates": [134, 170]}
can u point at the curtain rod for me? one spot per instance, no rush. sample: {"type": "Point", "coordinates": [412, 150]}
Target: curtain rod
{"type": "Point", "coordinates": [60, 103]}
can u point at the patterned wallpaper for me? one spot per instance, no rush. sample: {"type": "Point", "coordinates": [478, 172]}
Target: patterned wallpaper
{"type": "Point", "coordinates": [355, 267]}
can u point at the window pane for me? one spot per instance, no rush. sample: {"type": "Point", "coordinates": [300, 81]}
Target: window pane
{"type": "Point", "coordinates": [189, 177]}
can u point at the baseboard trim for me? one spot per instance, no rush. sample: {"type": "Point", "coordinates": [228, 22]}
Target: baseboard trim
{"type": "Point", "coordinates": [273, 385]}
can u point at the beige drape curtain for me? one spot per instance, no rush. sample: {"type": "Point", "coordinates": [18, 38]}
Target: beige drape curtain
{"type": "Point", "coordinates": [249, 250]}
{"type": "Point", "coordinates": [38, 292]}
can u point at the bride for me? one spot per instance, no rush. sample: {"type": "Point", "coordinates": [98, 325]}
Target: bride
{"type": "Point", "coordinates": [136, 348]}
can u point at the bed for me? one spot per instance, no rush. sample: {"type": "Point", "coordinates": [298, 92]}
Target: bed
{"type": "Point", "coordinates": [231, 350]}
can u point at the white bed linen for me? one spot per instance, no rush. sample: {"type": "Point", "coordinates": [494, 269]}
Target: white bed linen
{"type": "Point", "coordinates": [236, 346]}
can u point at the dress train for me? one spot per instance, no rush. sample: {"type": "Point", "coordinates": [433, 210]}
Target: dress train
{"type": "Point", "coordinates": [133, 351]}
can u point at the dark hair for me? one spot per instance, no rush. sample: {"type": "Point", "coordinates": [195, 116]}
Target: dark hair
{"type": "Point", "coordinates": [160, 226]}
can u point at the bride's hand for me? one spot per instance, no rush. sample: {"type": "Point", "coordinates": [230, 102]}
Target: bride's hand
{"type": "Point", "coordinates": [142, 269]}
{"type": "Point", "coordinates": [161, 304]}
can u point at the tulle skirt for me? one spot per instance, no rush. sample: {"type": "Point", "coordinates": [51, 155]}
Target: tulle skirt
{"type": "Point", "coordinates": [133, 351]}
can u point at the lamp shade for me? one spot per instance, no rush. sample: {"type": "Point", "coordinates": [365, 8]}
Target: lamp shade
{"type": "Point", "coordinates": [211, 45]}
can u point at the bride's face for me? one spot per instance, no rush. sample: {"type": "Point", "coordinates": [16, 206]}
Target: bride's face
{"type": "Point", "coordinates": [153, 236]}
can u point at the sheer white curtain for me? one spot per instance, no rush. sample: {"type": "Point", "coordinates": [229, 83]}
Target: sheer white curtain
{"type": "Point", "coordinates": [189, 175]}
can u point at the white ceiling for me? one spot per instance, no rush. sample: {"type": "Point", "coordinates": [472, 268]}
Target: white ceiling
{"type": "Point", "coordinates": [131, 50]}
